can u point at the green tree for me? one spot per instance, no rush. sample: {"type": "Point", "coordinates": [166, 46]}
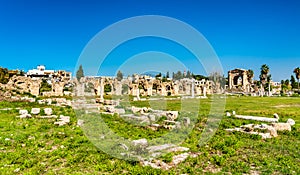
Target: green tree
{"type": "Point", "coordinates": [45, 86]}
{"type": "Point", "coordinates": [168, 75]}
{"type": "Point", "coordinates": [119, 75]}
{"type": "Point", "coordinates": [297, 73]}
{"type": "Point", "coordinates": [79, 73]}
{"type": "Point", "coordinates": [293, 82]}
{"type": "Point", "coordinates": [107, 88]}
{"type": "Point", "coordinates": [264, 73]}
{"type": "Point", "coordinates": [158, 75]}
{"type": "Point", "coordinates": [188, 74]}
{"type": "Point", "coordinates": [4, 75]}
{"type": "Point", "coordinates": [250, 75]}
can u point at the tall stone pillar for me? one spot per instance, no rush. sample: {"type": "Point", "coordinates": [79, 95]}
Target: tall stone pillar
{"type": "Point", "coordinates": [101, 88]}
{"type": "Point", "coordinates": [193, 88]}
{"type": "Point", "coordinates": [245, 80]}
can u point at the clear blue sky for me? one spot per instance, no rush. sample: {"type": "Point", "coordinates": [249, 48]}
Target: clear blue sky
{"type": "Point", "coordinates": [244, 33]}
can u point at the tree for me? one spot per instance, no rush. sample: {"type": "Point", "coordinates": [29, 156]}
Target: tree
{"type": "Point", "coordinates": [264, 71]}
{"type": "Point", "coordinates": [107, 88]}
{"type": "Point", "coordinates": [297, 73]}
{"type": "Point", "coordinates": [4, 75]}
{"type": "Point", "coordinates": [79, 73]}
{"type": "Point", "coordinates": [45, 86]}
{"type": "Point", "coordinates": [250, 75]}
{"type": "Point", "coordinates": [168, 75]}
{"type": "Point", "coordinates": [119, 75]}
{"type": "Point", "coordinates": [188, 74]}
{"type": "Point", "coordinates": [293, 82]}
{"type": "Point", "coordinates": [158, 76]}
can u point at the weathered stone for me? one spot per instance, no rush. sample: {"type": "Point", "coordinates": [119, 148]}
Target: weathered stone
{"type": "Point", "coordinates": [228, 114]}
{"type": "Point", "coordinates": [109, 108]}
{"type": "Point", "coordinates": [186, 121]}
{"type": "Point", "coordinates": [282, 126]}
{"type": "Point", "coordinates": [48, 111]}
{"type": "Point", "coordinates": [25, 116]}
{"type": "Point", "coordinates": [179, 158]}
{"type": "Point", "coordinates": [140, 142]}
{"type": "Point", "coordinates": [23, 111]}
{"type": "Point", "coordinates": [48, 116]}
{"type": "Point", "coordinates": [172, 115]}
{"type": "Point", "coordinates": [152, 117]}
{"type": "Point", "coordinates": [120, 110]}
{"type": "Point", "coordinates": [276, 116]}
{"type": "Point", "coordinates": [35, 111]}
{"type": "Point", "coordinates": [80, 122]}
{"type": "Point", "coordinates": [291, 121]}
{"type": "Point", "coordinates": [264, 119]}
{"type": "Point", "coordinates": [62, 120]}
{"type": "Point", "coordinates": [160, 147]}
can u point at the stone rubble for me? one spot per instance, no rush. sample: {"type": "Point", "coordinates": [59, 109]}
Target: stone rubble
{"type": "Point", "coordinates": [62, 120]}
{"type": "Point", "coordinates": [35, 111]}
{"type": "Point", "coordinates": [48, 111]}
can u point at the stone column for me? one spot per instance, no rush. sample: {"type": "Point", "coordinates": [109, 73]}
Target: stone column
{"type": "Point", "coordinates": [230, 79]}
{"type": "Point", "coordinates": [101, 88]}
{"type": "Point", "coordinates": [244, 80]}
{"type": "Point", "coordinates": [204, 90]}
{"type": "Point", "coordinates": [193, 88]}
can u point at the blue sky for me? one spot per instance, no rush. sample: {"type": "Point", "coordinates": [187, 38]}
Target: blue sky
{"type": "Point", "coordinates": [243, 33]}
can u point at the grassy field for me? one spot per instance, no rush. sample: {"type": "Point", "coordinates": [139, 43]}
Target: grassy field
{"type": "Point", "coordinates": [37, 146]}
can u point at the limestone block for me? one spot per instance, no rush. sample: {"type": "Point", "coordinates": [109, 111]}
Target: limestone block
{"type": "Point", "coordinates": [23, 111]}
{"type": "Point", "coordinates": [291, 121]}
{"type": "Point", "coordinates": [282, 126]}
{"type": "Point", "coordinates": [48, 111]}
{"type": "Point", "coordinates": [35, 111]}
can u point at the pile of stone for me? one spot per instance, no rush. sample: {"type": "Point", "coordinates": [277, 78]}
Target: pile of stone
{"type": "Point", "coordinates": [36, 111]}
{"type": "Point", "coordinates": [111, 109]}
{"type": "Point", "coordinates": [108, 102]}
{"type": "Point", "coordinates": [24, 114]}
{"type": "Point", "coordinates": [157, 150]}
{"type": "Point", "coordinates": [142, 110]}
{"type": "Point", "coordinates": [56, 101]}
{"type": "Point", "coordinates": [62, 120]}
{"type": "Point", "coordinates": [271, 129]}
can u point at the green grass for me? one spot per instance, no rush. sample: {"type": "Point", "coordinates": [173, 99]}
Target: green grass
{"type": "Point", "coordinates": [37, 146]}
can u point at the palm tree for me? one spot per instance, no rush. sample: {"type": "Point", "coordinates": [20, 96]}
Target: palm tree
{"type": "Point", "coordinates": [250, 75]}
{"type": "Point", "coordinates": [297, 73]}
{"type": "Point", "coordinates": [264, 71]}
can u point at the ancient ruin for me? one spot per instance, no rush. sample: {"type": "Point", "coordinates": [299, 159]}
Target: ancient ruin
{"type": "Point", "coordinates": [238, 79]}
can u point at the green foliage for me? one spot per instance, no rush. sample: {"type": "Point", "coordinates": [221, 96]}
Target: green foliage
{"type": "Point", "coordinates": [79, 73]}
{"type": "Point", "coordinates": [264, 75]}
{"type": "Point", "coordinates": [45, 86]}
{"type": "Point", "coordinates": [107, 88]}
{"type": "Point", "coordinates": [119, 75]}
{"type": "Point", "coordinates": [158, 76]}
{"type": "Point", "coordinates": [4, 76]}
{"type": "Point", "coordinates": [199, 77]}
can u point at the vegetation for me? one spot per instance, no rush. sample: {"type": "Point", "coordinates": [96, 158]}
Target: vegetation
{"type": "Point", "coordinates": [79, 73]}
{"type": "Point", "coordinates": [107, 88]}
{"type": "Point", "coordinates": [250, 75]}
{"type": "Point", "coordinates": [265, 77]}
{"type": "Point", "coordinates": [119, 75]}
{"type": "Point", "coordinates": [4, 76]}
{"type": "Point", "coordinates": [37, 146]}
{"type": "Point", "coordinates": [45, 86]}
{"type": "Point", "coordinates": [297, 73]}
